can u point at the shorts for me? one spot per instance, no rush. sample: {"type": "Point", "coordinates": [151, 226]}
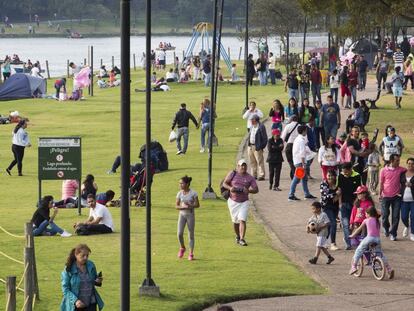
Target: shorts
{"type": "Point", "coordinates": [345, 90]}
{"type": "Point", "coordinates": [321, 241]}
{"type": "Point", "coordinates": [397, 91]}
{"type": "Point", "coordinates": [238, 210]}
{"type": "Point", "coordinates": [162, 62]}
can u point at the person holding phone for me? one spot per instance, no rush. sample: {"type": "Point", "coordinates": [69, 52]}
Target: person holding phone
{"type": "Point", "coordinates": [79, 279]}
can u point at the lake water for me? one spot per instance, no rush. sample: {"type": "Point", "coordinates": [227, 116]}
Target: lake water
{"type": "Point", "coordinates": [58, 50]}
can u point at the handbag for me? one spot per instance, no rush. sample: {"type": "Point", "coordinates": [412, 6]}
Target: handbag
{"type": "Point", "coordinates": [225, 193]}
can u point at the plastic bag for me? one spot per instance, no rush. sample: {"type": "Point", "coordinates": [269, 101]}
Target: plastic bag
{"type": "Point", "coordinates": [173, 136]}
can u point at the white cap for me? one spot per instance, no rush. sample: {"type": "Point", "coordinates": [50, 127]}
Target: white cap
{"type": "Point", "coordinates": [14, 114]}
{"type": "Point", "coordinates": [241, 162]}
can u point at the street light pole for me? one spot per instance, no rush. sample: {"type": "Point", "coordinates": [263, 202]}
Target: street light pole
{"type": "Point", "coordinates": [209, 192]}
{"type": "Point", "coordinates": [125, 154]}
{"type": "Point", "coordinates": [148, 287]}
{"type": "Point", "coordinates": [246, 53]}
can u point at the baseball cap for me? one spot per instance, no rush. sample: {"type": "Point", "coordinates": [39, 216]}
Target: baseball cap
{"type": "Point", "coordinates": [361, 189]}
{"type": "Point", "coordinates": [241, 162]}
{"type": "Point", "coordinates": [275, 132]}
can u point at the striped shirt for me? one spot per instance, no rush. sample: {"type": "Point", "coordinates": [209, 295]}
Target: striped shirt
{"type": "Point", "coordinates": [398, 57]}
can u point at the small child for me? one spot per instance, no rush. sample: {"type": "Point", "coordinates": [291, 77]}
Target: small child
{"type": "Point", "coordinates": [322, 222]}
{"type": "Point", "coordinates": [183, 76]}
{"type": "Point", "coordinates": [154, 77]}
{"type": "Point", "coordinates": [341, 139]}
{"type": "Point", "coordinates": [362, 203]}
{"type": "Point", "coordinates": [234, 76]}
{"type": "Point", "coordinates": [111, 78]}
{"type": "Point", "coordinates": [364, 141]}
{"type": "Point", "coordinates": [372, 225]}
{"type": "Point", "coordinates": [373, 170]}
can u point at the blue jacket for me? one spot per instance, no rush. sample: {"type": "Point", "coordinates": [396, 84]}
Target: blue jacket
{"type": "Point", "coordinates": [71, 283]}
{"type": "Point", "coordinates": [261, 138]}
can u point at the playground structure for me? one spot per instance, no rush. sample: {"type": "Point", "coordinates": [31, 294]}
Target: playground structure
{"type": "Point", "coordinates": [203, 31]}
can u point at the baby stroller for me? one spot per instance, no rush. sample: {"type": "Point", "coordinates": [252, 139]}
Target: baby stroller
{"type": "Point", "coordinates": [137, 188]}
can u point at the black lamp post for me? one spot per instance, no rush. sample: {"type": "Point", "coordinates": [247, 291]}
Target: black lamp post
{"type": "Point", "coordinates": [148, 287]}
{"type": "Point", "coordinates": [209, 192]}
{"type": "Point", "coordinates": [246, 53]}
{"type": "Point", "coordinates": [125, 154]}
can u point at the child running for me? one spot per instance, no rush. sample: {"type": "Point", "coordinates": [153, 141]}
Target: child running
{"type": "Point", "coordinates": [321, 221]}
{"type": "Point", "coordinates": [372, 225]}
{"type": "Point", "coordinates": [186, 202]}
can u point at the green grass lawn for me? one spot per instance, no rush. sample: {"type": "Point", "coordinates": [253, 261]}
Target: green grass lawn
{"type": "Point", "coordinates": [222, 271]}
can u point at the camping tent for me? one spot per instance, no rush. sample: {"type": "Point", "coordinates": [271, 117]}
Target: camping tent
{"type": "Point", "coordinates": [20, 86]}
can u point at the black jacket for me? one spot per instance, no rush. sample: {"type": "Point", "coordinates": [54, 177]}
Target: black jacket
{"type": "Point", "coordinates": [182, 118]}
{"type": "Point", "coordinates": [275, 150]}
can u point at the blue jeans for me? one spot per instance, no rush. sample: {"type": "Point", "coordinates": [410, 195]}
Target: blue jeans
{"type": "Point", "coordinates": [205, 128]}
{"type": "Point", "coordinates": [346, 209]}
{"type": "Point", "coordinates": [332, 213]}
{"type": "Point", "coordinates": [316, 92]}
{"type": "Point", "coordinates": [304, 92]}
{"type": "Point", "coordinates": [334, 94]}
{"type": "Point", "coordinates": [296, 181]}
{"type": "Point", "coordinates": [262, 77]}
{"type": "Point", "coordinates": [293, 93]}
{"type": "Point", "coordinates": [364, 245]}
{"type": "Point", "coordinates": [353, 90]}
{"type": "Point", "coordinates": [272, 73]}
{"type": "Point", "coordinates": [362, 80]}
{"type": "Point", "coordinates": [407, 212]}
{"type": "Point", "coordinates": [49, 227]}
{"type": "Point", "coordinates": [207, 79]}
{"type": "Point", "coordinates": [182, 131]}
{"type": "Point", "coordinates": [395, 204]}
{"type": "Point", "coordinates": [331, 129]}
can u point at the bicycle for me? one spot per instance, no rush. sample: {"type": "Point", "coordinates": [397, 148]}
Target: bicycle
{"type": "Point", "coordinates": [373, 258]}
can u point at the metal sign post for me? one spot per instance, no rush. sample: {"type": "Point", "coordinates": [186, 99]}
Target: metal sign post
{"type": "Point", "coordinates": [60, 158]}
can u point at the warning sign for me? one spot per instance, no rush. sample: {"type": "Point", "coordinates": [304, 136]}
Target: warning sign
{"type": "Point", "coordinates": [60, 158]}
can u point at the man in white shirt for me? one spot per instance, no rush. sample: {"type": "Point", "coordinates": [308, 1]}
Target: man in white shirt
{"type": "Point", "coordinates": [99, 221]}
{"type": "Point", "coordinates": [300, 152]}
{"type": "Point", "coordinates": [289, 133]}
{"type": "Point", "coordinates": [272, 68]}
{"type": "Point", "coordinates": [35, 72]}
{"type": "Point", "coordinates": [250, 113]}
{"type": "Point", "coordinates": [161, 57]}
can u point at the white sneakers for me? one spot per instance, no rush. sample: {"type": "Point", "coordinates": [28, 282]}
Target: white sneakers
{"type": "Point", "coordinates": [405, 232]}
{"type": "Point", "coordinates": [65, 234]}
{"type": "Point", "coordinates": [202, 150]}
{"type": "Point", "coordinates": [334, 247]}
{"type": "Point", "coordinates": [412, 237]}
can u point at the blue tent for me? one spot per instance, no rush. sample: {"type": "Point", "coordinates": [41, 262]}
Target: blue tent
{"type": "Point", "coordinates": [20, 86]}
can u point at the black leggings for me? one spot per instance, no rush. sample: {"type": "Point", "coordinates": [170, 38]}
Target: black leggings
{"type": "Point", "coordinates": [92, 229]}
{"type": "Point", "coordinates": [18, 152]}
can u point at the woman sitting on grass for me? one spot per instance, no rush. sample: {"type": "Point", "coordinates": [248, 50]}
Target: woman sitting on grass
{"type": "Point", "coordinates": [43, 224]}
{"type": "Point", "coordinates": [89, 186]}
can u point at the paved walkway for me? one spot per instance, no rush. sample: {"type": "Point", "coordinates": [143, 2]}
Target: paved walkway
{"type": "Point", "coordinates": [285, 223]}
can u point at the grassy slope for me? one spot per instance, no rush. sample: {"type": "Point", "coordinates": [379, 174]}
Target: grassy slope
{"type": "Point", "coordinates": [222, 271]}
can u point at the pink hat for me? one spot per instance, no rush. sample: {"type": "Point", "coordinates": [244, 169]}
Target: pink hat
{"type": "Point", "coordinates": [276, 132]}
{"type": "Point", "coordinates": [361, 189]}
